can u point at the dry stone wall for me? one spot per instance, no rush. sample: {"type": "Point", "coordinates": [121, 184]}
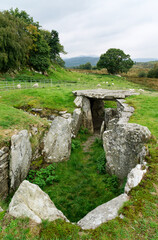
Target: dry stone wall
{"type": "Point", "coordinates": [4, 174]}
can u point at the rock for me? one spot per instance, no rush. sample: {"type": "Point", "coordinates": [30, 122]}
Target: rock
{"type": "Point", "coordinates": [78, 101]}
{"type": "Point", "coordinates": [102, 129]}
{"type": "Point", "coordinates": [104, 94]}
{"type": "Point", "coordinates": [124, 111]}
{"type": "Point", "coordinates": [103, 213]}
{"type": "Point", "coordinates": [21, 154]}
{"type": "Point", "coordinates": [66, 115]}
{"type": "Point", "coordinates": [134, 177]}
{"type": "Point", "coordinates": [111, 118]}
{"type": "Point", "coordinates": [98, 85]}
{"type": "Point", "coordinates": [62, 112]}
{"type": "Point", "coordinates": [4, 173]}
{"type": "Point", "coordinates": [124, 148]}
{"type": "Point", "coordinates": [76, 121]}
{"type": "Point", "coordinates": [87, 120]}
{"type": "Point", "coordinates": [30, 201]}
{"type": "Point", "coordinates": [1, 210]}
{"type": "Point", "coordinates": [34, 130]}
{"type": "Point", "coordinates": [38, 110]}
{"type": "Point", "coordinates": [52, 117]}
{"type": "Point", "coordinates": [57, 143]}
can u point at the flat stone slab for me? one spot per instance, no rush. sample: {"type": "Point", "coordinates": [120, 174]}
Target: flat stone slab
{"type": "Point", "coordinates": [103, 213]}
{"type": "Point", "coordinates": [105, 93]}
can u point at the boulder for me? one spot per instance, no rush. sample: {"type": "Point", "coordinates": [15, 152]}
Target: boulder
{"type": "Point", "coordinates": [57, 143]}
{"type": "Point", "coordinates": [124, 147]}
{"type": "Point", "coordinates": [124, 111]}
{"type": "Point", "coordinates": [1, 210]}
{"type": "Point", "coordinates": [21, 155]}
{"type": "Point", "coordinates": [76, 121]}
{"type": "Point", "coordinates": [30, 201]}
{"type": "Point", "coordinates": [78, 101]}
{"type": "Point", "coordinates": [134, 177]}
{"type": "Point", "coordinates": [103, 213]}
{"type": "Point", "coordinates": [111, 117]}
{"type": "Point", "coordinates": [4, 173]}
{"type": "Point", "coordinates": [87, 120]}
{"type": "Point", "coordinates": [104, 93]}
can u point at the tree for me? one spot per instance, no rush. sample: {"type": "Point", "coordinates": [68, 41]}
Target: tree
{"type": "Point", "coordinates": [39, 55]}
{"type": "Point", "coordinates": [52, 38]}
{"type": "Point", "coordinates": [39, 51]}
{"type": "Point", "coordinates": [14, 42]}
{"type": "Point", "coordinates": [115, 61]}
{"type": "Point", "coordinates": [24, 16]}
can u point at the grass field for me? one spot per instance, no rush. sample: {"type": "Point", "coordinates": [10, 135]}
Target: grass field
{"type": "Point", "coordinates": [140, 213]}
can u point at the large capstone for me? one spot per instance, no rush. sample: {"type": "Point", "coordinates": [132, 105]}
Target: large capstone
{"type": "Point", "coordinates": [21, 154]}
{"type": "Point", "coordinates": [30, 201]}
{"type": "Point", "coordinates": [124, 147]}
{"type": "Point", "coordinates": [57, 143]}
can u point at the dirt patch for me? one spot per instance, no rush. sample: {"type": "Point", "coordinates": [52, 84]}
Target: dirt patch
{"type": "Point", "coordinates": [86, 145]}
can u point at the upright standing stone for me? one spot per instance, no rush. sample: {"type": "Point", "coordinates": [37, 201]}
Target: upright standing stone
{"type": "Point", "coordinates": [124, 147]}
{"type": "Point", "coordinates": [87, 115]}
{"type": "Point", "coordinates": [57, 143]}
{"type": "Point", "coordinates": [21, 154]}
{"type": "Point", "coordinates": [76, 121]}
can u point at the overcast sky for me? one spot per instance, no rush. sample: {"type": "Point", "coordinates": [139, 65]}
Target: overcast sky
{"type": "Point", "coordinates": [91, 27]}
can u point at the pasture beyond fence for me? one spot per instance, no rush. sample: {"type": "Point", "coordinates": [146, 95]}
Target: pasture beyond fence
{"type": "Point", "coordinates": [19, 84]}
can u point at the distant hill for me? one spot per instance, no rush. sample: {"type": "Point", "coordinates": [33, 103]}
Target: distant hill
{"type": "Point", "coordinates": [76, 61]}
{"type": "Point", "coordinates": [145, 59]}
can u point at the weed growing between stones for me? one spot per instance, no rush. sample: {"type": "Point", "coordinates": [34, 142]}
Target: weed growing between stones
{"type": "Point", "coordinates": [43, 177]}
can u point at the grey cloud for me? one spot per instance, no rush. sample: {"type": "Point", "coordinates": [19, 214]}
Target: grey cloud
{"type": "Point", "coordinates": [90, 27]}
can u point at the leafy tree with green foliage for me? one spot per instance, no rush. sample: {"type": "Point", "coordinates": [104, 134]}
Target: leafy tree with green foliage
{"type": "Point", "coordinates": [39, 55]}
{"type": "Point", "coordinates": [115, 61]}
{"type": "Point", "coordinates": [24, 16]}
{"type": "Point", "coordinates": [86, 66]}
{"type": "Point", "coordinates": [14, 42]}
{"type": "Point", "coordinates": [52, 38]}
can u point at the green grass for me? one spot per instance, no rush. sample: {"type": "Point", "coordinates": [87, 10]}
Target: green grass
{"type": "Point", "coordinates": [146, 111]}
{"type": "Point", "coordinates": [79, 180]}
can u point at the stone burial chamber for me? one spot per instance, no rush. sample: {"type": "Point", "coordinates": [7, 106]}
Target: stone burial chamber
{"type": "Point", "coordinates": [92, 104]}
{"type": "Point", "coordinates": [123, 142]}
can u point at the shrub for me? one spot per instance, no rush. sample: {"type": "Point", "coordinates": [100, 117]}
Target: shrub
{"type": "Point", "coordinates": [75, 144]}
{"type": "Point", "coordinates": [142, 74]}
{"type": "Point", "coordinates": [153, 73]}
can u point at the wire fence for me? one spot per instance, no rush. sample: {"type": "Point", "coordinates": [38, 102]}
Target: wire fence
{"type": "Point", "coordinates": [19, 84]}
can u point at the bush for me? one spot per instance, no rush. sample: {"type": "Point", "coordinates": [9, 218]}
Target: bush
{"type": "Point", "coordinates": [153, 73]}
{"type": "Point", "coordinates": [142, 74]}
{"type": "Point", "coordinates": [75, 144]}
